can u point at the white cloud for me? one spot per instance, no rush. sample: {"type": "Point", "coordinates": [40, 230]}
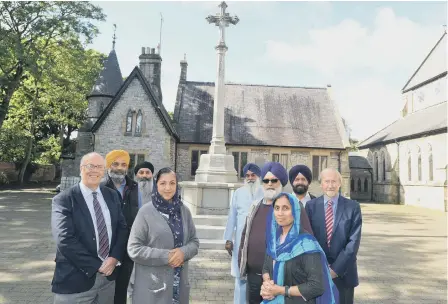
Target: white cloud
{"type": "Point", "coordinates": [340, 52]}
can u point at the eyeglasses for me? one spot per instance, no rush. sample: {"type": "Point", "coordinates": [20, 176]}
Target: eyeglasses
{"type": "Point", "coordinates": [273, 181]}
{"type": "Point", "coordinates": [91, 167]}
{"type": "Point", "coordinates": [116, 164]}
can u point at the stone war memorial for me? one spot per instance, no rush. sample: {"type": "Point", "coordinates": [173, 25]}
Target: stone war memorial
{"type": "Point", "coordinates": [216, 177]}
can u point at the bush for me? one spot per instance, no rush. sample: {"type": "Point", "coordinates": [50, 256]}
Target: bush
{"type": "Point", "coordinates": [3, 178]}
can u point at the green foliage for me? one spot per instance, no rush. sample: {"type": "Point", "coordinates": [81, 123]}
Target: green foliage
{"type": "Point", "coordinates": [29, 32]}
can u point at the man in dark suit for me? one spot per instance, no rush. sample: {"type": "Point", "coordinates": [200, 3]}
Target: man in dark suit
{"type": "Point", "coordinates": [336, 222]}
{"type": "Point", "coordinates": [90, 233]}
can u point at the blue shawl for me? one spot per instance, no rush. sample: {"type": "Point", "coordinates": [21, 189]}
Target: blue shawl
{"type": "Point", "coordinates": [294, 245]}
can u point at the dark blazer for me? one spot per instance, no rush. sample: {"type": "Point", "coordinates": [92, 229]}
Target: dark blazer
{"type": "Point", "coordinates": [129, 201]}
{"type": "Point", "coordinates": [304, 271]}
{"type": "Point", "coordinates": [77, 260]}
{"type": "Point", "coordinates": [341, 255]}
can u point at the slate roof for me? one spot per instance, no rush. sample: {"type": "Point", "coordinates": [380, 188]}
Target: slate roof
{"type": "Point", "coordinates": [261, 115]}
{"type": "Point", "coordinates": [158, 106]}
{"type": "Point", "coordinates": [358, 162]}
{"type": "Point", "coordinates": [431, 120]}
{"type": "Point", "coordinates": [110, 80]}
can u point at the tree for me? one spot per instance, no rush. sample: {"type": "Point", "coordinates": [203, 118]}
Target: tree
{"type": "Point", "coordinates": [51, 103]}
{"type": "Point", "coordinates": [28, 29]}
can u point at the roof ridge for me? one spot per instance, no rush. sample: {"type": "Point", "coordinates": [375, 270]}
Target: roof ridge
{"type": "Point", "coordinates": [259, 85]}
{"type": "Point", "coordinates": [424, 60]}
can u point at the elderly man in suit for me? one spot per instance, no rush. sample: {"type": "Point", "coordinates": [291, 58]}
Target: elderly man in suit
{"type": "Point", "coordinates": [336, 222]}
{"type": "Point", "coordinates": [90, 233]}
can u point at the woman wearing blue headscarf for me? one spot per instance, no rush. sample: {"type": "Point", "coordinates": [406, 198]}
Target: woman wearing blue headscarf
{"type": "Point", "coordinates": [295, 268]}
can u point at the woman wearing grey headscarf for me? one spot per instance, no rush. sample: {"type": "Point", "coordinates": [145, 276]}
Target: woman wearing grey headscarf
{"type": "Point", "coordinates": [162, 241]}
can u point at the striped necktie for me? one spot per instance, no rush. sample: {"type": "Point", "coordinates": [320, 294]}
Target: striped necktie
{"type": "Point", "coordinates": [329, 221]}
{"type": "Point", "coordinates": [103, 239]}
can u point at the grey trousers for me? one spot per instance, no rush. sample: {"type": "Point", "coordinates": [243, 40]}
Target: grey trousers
{"type": "Point", "coordinates": [101, 293]}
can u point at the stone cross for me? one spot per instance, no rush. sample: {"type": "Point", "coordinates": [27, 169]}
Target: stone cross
{"type": "Point", "coordinates": [222, 19]}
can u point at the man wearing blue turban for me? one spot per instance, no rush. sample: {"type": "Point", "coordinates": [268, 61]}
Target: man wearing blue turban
{"type": "Point", "coordinates": [241, 201]}
{"type": "Point", "coordinates": [253, 240]}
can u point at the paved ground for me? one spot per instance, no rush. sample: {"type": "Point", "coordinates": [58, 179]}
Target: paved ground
{"type": "Point", "coordinates": [403, 256]}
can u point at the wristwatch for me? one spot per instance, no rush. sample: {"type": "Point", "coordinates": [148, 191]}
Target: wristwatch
{"type": "Point", "coordinates": [287, 291]}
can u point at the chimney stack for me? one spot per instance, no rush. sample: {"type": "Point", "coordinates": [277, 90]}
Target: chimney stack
{"type": "Point", "coordinates": [183, 69]}
{"type": "Point", "coordinates": [151, 67]}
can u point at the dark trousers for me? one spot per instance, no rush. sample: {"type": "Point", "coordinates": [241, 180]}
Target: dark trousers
{"type": "Point", "coordinates": [253, 287]}
{"type": "Point", "coordinates": [122, 281]}
{"type": "Point", "coordinates": [346, 294]}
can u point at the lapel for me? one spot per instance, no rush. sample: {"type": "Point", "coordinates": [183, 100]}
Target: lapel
{"type": "Point", "coordinates": [109, 202]}
{"type": "Point", "coordinates": [81, 202]}
{"type": "Point", "coordinates": [321, 212]}
{"type": "Point", "coordinates": [339, 211]}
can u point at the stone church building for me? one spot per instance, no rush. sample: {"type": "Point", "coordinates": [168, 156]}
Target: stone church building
{"type": "Point", "coordinates": [291, 125]}
{"type": "Point", "coordinates": [409, 157]}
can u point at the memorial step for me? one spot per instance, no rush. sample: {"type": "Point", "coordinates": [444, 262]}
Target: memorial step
{"type": "Point", "coordinates": [210, 220]}
{"type": "Point", "coordinates": [209, 244]}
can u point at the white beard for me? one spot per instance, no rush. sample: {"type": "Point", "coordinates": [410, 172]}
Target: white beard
{"type": "Point", "coordinates": [252, 186]}
{"type": "Point", "coordinates": [145, 188]}
{"type": "Point", "coordinates": [269, 194]}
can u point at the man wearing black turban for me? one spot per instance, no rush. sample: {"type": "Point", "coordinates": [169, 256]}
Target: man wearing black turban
{"type": "Point", "coordinates": [143, 176]}
{"type": "Point", "coordinates": [300, 178]}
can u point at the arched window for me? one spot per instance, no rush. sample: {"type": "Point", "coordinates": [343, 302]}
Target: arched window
{"type": "Point", "coordinates": [359, 185]}
{"type": "Point", "coordinates": [430, 164]}
{"type": "Point", "coordinates": [383, 160]}
{"type": "Point", "coordinates": [409, 166]}
{"type": "Point", "coordinates": [352, 185]}
{"type": "Point", "coordinates": [419, 164]}
{"type": "Point", "coordinates": [101, 108]}
{"type": "Point", "coordinates": [366, 185]}
{"type": "Point", "coordinates": [129, 121]}
{"type": "Point", "coordinates": [138, 123]}
{"type": "Point", "coordinates": [375, 161]}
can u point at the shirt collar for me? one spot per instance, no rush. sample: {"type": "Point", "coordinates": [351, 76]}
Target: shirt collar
{"type": "Point", "coordinates": [334, 199]}
{"type": "Point", "coordinates": [86, 190]}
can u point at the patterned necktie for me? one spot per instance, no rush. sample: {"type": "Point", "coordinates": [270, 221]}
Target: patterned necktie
{"type": "Point", "coordinates": [329, 221]}
{"type": "Point", "coordinates": [103, 249]}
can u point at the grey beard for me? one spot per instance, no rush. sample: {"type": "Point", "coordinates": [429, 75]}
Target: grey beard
{"type": "Point", "coordinates": [271, 193]}
{"type": "Point", "coordinates": [252, 186]}
{"type": "Point", "coordinates": [145, 188]}
{"type": "Point", "coordinates": [116, 178]}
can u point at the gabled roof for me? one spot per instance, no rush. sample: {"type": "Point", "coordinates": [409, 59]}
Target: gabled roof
{"type": "Point", "coordinates": [358, 162]}
{"type": "Point", "coordinates": [261, 115]}
{"type": "Point", "coordinates": [110, 79]}
{"type": "Point", "coordinates": [431, 120]}
{"type": "Point", "coordinates": [158, 106]}
{"type": "Point", "coordinates": [432, 68]}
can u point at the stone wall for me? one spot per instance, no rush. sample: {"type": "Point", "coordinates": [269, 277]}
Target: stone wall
{"type": "Point", "coordinates": [395, 186]}
{"type": "Point", "coordinates": [261, 155]}
{"type": "Point", "coordinates": [154, 141]}
{"type": "Point", "coordinates": [43, 173]}
{"type": "Point", "coordinates": [361, 175]}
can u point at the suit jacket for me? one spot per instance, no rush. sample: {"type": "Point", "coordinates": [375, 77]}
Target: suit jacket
{"type": "Point", "coordinates": [77, 260]}
{"type": "Point", "coordinates": [344, 245]}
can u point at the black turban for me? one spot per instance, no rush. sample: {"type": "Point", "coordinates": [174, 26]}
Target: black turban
{"type": "Point", "coordinates": [144, 164]}
{"type": "Point", "coordinates": [276, 169]}
{"type": "Point", "coordinates": [304, 170]}
{"type": "Point", "coordinates": [253, 168]}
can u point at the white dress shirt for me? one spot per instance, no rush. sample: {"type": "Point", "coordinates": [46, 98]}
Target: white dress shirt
{"type": "Point", "coordinates": [88, 197]}
{"type": "Point", "coordinates": [305, 199]}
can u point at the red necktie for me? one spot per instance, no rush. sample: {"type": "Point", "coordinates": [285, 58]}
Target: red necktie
{"type": "Point", "coordinates": [101, 227]}
{"type": "Point", "coordinates": [329, 221]}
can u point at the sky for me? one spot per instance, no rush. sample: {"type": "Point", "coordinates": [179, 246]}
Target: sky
{"type": "Point", "coordinates": [366, 51]}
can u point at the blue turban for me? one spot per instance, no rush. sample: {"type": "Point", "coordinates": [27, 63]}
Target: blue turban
{"type": "Point", "coordinates": [304, 170]}
{"type": "Point", "coordinates": [277, 169]}
{"type": "Point", "coordinates": [253, 168]}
